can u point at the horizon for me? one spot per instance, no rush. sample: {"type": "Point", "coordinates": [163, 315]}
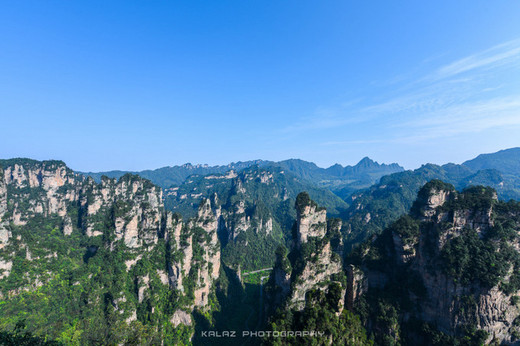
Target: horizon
{"type": "Point", "coordinates": [264, 160]}
{"type": "Point", "coordinates": [132, 86]}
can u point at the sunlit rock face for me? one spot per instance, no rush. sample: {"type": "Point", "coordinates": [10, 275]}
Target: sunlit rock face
{"type": "Point", "coordinates": [126, 216]}
{"type": "Point", "coordinates": [313, 264]}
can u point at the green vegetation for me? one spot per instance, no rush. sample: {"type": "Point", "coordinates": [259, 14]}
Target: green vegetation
{"type": "Point", "coordinates": [74, 289]}
{"type": "Point", "coordinates": [468, 258]}
{"type": "Point", "coordinates": [240, 309]}
{"type": "Point", "coordinates": [506, 161]}
{"type": "Point", "coordinates": [394, 195]}
{"type": "Point", "coordinates": [70, 299]}
{"type": "Point", "coordinates": [277, 193]}
{"type": "Point", "coordinates": [303, 200]}
{"type": "Point", "coordinates": [166, 177]}
{"type": "Point", "coordinates": [30, 163]}
{"type": "Point", "coordinates": [19, 336]}
{"type": "Point", "coordinates": [81, 290]}
{"type": "Point", "coordinates": [407, 228]}
{"type": "Point", "coordinates": [428, 334]}
{"type": "Point", "coordinates": [264, 194]}
{"type": "Point", "coordinates": [255, 278]}
{"type": "Point", "coordinates": [475, 198]}
{"type": "Point", "coordinates": [477, 258]}
{"type": "Point", "coordinates": [321, 314]}
{"type": "Point", "coordinates": [338, 179]}
{"type": "Point", "coordinates": [252, 250]}
{"type": "Point", "coordinates": [343, 181]}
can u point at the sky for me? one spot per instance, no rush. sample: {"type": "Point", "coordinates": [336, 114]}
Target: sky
{"type": "Point", "coordinates": [136, 85]}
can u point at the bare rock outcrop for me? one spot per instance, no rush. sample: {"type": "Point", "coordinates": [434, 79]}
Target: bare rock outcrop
{"type": "Point", "coordinates": [124, 215]}
{"type": "Point", "coordinates": [206, 242]}
{"type": "Point", "coordinates": [314, 264]}
{"type": "Point", "coordinates": [446, 225]}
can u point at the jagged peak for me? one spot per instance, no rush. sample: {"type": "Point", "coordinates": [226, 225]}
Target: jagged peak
{"type": "Point", "coordinates": [205, 210]}
{"type": "Point", "coordinates": [188, 165]}
{"type": "Point", "coordinates": [434, 186]}
{"type": "Point", "coordinates": [205, 204]}
{"type": "Point", "coordinates": [366, 162]}
{"type": "Point", "coordinates": [105, 180]}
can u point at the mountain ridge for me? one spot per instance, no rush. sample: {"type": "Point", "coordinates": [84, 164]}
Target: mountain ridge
{"type": "Point", "coordinates": [179, 173]}
{"type": "Point", "coordinates": [506, 161]}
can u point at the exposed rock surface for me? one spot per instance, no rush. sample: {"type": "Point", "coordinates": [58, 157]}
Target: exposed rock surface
{"type": "Point", "coordinates": [125, 215]}
{"type": "Point", "coordinates": [207, 246]}
{"type": "Point", "coordinates": [311, 223]}
{"type": "Point", "coordinates": [314, 265]}
{"type": "Point", "coordinates": [416, 248]}
{"type": "Point", "coordinates": [181, 317]}
{"type": "Point", "coordinates": [317, 272]}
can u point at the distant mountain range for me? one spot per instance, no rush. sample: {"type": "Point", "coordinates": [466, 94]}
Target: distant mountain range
{"type": "Point", "coordinates": [375, 194]}
{"type": "Point", "coordinates": [506, 161]}
{"type": "Point", "coordinates": [340, 180]}
{"type": "Point", "coordinates": [372, 209]}
{"type": "Point", "coordinates": [175, 175]}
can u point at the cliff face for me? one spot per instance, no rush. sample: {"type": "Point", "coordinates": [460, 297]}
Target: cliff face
{"type": "Point", "coordinates": [257, 210]}
{"type": "Point", "coordinates": [38, 188]}
{"type": "Point", "coordinates": [317, 261]}
{"type": "Point", "coordinates": [207, 251]}
{"type": "Point", "coordinates": [312, 264]}
{"type": "Point", "coordinates": [123, 221]}
{"type": "Point", "coordinates": [5, 234]}
{"type": "Point", "coordinates": [251, 213]}
{"type": "Point", "coordinates": [311, 222]}
{"type": "Point", "coordinates": [307, 289]}
{"type": "Point", "coordinates": [132, 206]}
{"type": "Point", "coordinates": [459, 255]}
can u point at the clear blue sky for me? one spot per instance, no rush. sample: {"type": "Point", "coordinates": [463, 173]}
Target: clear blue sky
{"type": "Point", "coordinates": [143, 84]}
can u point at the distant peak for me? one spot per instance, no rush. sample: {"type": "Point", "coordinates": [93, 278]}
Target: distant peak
{"type": "Point", "coordinates": [366, 161]}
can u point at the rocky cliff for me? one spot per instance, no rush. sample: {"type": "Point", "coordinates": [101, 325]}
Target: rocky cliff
{"type": "Point", "coordinates": [317, 264]}
{"type": "Point", "coordinates": [114, 239]}
{"type": "Point", "coordinates": [307, 287]}
{"type": "Point", "coordinates": [311, 264]}
{"type": "Point", "coordinates": [255, 208]}
{"type": "Point", "coordinates": [451, 264]}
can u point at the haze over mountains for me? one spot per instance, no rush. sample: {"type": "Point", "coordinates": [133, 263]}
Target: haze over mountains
{"type": "Point", "coordinates": [336, 176]}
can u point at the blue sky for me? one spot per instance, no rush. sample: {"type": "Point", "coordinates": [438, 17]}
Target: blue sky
{"type": "Point", "coordinates": [144, 84]}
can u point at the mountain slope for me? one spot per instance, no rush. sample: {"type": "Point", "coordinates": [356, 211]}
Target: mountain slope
{"type": "Point", "coordinates": [338, 179]}
{"type": "Point", "coordinates": [373, 209]}
{"type": "Point", "coordinates": [506, 161]}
